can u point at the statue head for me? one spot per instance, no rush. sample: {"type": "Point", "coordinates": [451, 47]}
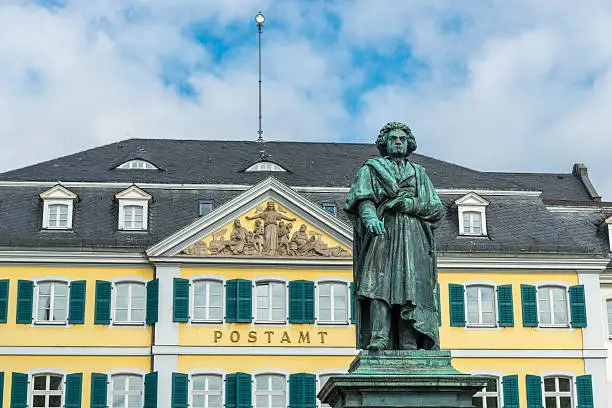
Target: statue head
{"type": "Point", "coordinates": [270, 205]}
{"type": "Point", "coordinates": [303, 228]}
{"type": "Point", "coordinates": [281, 224]}
{"type": "Point", "coordinates": [236, 223]}
{"type": "Point", "coordinates": [396, 139]}
{"type": "Point", "coordinates": [258, 223]}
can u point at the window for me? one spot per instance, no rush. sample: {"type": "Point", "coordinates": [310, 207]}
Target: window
{"type": "Point", "coordinates": [472, 223]}
{"type": "Point", "coordinates": [333, 302]}
{"type": "Point", "coordinates": [552, 306]}
{"type": "Point", "coordinates": [270, 391]}
{"type": "Point", "coordinates": [126, 391]}
{"type": "Point", "coordinates": [47, 390]}
{"type": "Point", "coordinates": [609, 307]}
{"type": "Point", "coordinates": [480, 305]}
{"type": "Point", "coordinates": [271, 302]}
{"type": "Point", "coordinates": [206, 391]}
{"type": "Point", "coordinates": [58, 203]}
{"type": "Point", "coordinates": [330, 208]}
{"type": "Point", "coordinates": [137, 165]}
{"type": "Point", "coordinates": [265, 166]}
{"type": "Point", "coordinates": [207, 300]}
{"type": "Point", "coordinates": [488, 397]}
{"type": "Point", "coordinates": [58, 216]}
{"type": "Point", "coordinates": [471, 209]}
{"type": "Point", "coordinates": [133, 209]}
{"type": "Point", "coordinates": [558, 392]}
{"type": "Point", "coordinates": [133, 217]}
{"type": "Point", "coordinates": [51, 302]}
{"type": "Point", "coordinates": [129, 303]}
{"type": "Point", "coordinates": [205, 207]}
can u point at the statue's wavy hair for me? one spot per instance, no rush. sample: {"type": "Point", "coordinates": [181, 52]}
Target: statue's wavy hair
{"type": "Point", "coordinates": [381, 141]}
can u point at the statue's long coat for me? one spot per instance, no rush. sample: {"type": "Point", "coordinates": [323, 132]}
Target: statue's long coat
{"type": "Point", "coordinates": [399, 266]}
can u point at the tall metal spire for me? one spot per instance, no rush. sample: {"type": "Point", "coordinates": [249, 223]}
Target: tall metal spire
{"type": "Point", "coordinates": [259, 19]}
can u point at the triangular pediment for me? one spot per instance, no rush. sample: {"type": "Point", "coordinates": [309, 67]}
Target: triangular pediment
{"type": "Point", "coordinates": [58, 192]}
{"type": "Point", "coordinates": [133, 193]}
{"type": "Point", "coordinates": [270, 220]}
{"type": "Point", "coordinates": [472, 199]}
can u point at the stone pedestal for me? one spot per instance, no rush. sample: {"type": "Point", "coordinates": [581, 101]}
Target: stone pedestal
{"type": "Point", "coordinates": [399, 378]}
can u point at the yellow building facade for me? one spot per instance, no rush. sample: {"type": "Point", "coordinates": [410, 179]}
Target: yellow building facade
{"type": "Point", "coordinates": [250, 304]}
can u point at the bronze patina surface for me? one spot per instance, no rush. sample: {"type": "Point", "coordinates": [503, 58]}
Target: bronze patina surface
{"type": "Point", "coordinates": [394, 206]}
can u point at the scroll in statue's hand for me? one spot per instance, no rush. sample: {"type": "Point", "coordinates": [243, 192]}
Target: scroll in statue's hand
{"type": "Point", "coordinates": [376, 227]}
{"type": "Point", "coordinates": [407, 205]}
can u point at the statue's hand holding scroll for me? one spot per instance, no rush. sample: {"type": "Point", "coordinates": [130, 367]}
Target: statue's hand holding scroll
{"type": "Point", "coordinates": [407, 205]}
{"type": "Point", "coordinates": [373, 224]}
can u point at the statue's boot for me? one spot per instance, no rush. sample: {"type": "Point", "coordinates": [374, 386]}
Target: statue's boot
{"type": "Point", "coordinates": [407, 335]}
{"type": "Point", "coordinates": [380, 316]}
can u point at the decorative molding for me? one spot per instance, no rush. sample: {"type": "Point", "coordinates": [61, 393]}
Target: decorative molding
{"type": "Point", "coordinates": [455, 261]}
{"type": "Point", "coordinates": [73, 351]}
{"type": "Point", "coordinates": [577, 209]}
{"type": "Point", "coordinates": [269, 189]}
{"type": "Point", "coordinates": [72, 257]}
{"type": "Point", "coordinates": [339, 263]}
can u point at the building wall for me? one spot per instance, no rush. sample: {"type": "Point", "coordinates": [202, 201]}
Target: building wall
{"type": "Point", "coordinates": [606, 289]}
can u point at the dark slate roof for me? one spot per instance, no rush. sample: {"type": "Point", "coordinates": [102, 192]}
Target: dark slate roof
{"type": "Point", "coordinates": [308, 164]}
{"type": "Point", "coordinates": [517, 223]}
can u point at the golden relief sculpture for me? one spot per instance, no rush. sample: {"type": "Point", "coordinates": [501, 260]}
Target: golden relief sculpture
{"type": "Point", "coordinates": [270, 235]}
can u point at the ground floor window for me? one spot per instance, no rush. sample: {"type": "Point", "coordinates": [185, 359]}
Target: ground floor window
{"type": "Point", "coordinates": [558, 392]}
{"type": "Point", "coordinates": [206, 391]}
{"type": "Point", "coordinates": [270, 390]}
{"type": "Point", "coordinates": [126, 391]}
{"type": "Point", "coordinates": [488, 397]}
{"type": "Point", "coordinates": [47, 390]}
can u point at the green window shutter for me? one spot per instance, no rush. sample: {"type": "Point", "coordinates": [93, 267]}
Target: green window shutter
{"type": "Point", "coordinates": [439, 304]}
{"type": "Point", "coordinates": [99, 384]}
{"type": "Point", "coordinates": [150, 390]}
{"type": "Point", "coordinates": [102, 310]}
{"type": "Point", "coordinates": [76, 312]}
{"type": "Point", "coordinates": [4, 294]}
{"type": "Point", "coordinates": [301, 301]}
{"type": "Point", "coordinates": [180, 303]}
{"type": "Point", "coordinates": [180, 389]}
{"type": "Point", "coordinates": [152, 301]}
{"type": "Point", "coordinates": [511, 391]}
{"type": "Point", "coordinates": [74, 385]}
{"type": "Point", "coordinates": [302, 391]}
{"type": "Point", "coordinates": [505, 307]}
{"type": "Point", "coordinates": [584, 390]}
{"type": "Point", "coordinates": [238, 300]}
{"type": "Point", "coordinates": [534, 391]}
{"type": "Point", "coordinates": [530, 306]}
{"type": "Point", "coordinates": [353, 300]}
{"type": "Point", "coordinates": [25, 300]}
{"type": "Point", "coordinates": [457, 304]}
{"type": "Point", "coordinates": [578, 306]}
{"type": "Point", "coordinates": [1, 388]}
{"type": "Point", "coordinates": [19, 391]}
{"type": "Point", "coordinates": [238, 390]}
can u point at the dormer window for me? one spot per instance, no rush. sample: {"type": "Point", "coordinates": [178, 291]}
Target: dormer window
{"type": "Point", "coordinates": [608, 221]}
{"type": "Point", "coordinates": [58, 203]}
{"type": "Point", "coordinates": [133, 209]}
{"type": "Point", "coordinates": [137, 164]}
{"type": "Point", "coordinates": [265, 166]}
{"type": "Point", "coordinates": [472, 216]}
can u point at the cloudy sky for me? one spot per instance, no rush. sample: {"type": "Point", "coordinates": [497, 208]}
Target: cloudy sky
{"type": "Point", "coordinates": [522, 85]}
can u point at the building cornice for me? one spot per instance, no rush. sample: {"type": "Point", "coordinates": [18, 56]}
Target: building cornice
{"type": "Point", "coordinates": [71, 257]}
{"type": "Point", "coordinates": [512, 262]}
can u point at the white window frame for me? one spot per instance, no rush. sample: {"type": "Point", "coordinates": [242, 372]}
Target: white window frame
{"type": "Point", "coordinates": [194, 373]}
{"type": "Point", "coordinates": [472, 216]}
{"type": "Point", "coordinates": [609, 317]}
{"type": "Point", "coordinates": [50, 279]}
{"type": "Point", "coordinates": [264, 280]}
{"type": "Point", "coordinates": [212, 278]}
{"type": "Point", "coordinates": [133, 196]}
{"type": "Point", "coordinates": [565, 288]}
{"type": "Point", "coordinates": [265, 166]}
{"type": "Point", "coordinates": [256, 373]}
{"type": "Point", "coordinates": [129, 280]}
{"type": "Point", "coordinates": [46, 371]}
{"type": "Point", "coordinates": [337, 280]}
{"type": "Point", "coordinates": [57, 195]}
{"type": "Point", "coordinates": [472, 202]}
{"type": "Point", "coordinates": [122, 371]}
{"type": "Point", "coordinates": [137, 164]}
{"type": "Point", "coordinates": [565, 374]}
{"type": "Point", "coordinates": [491, 285]}
{"type": "Point", "coordinates": [326, 372]}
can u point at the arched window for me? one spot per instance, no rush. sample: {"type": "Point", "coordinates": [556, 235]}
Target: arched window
{"type": "Point", "coordinates": [137, 165]}
{"type": "Point", "coordinates": [207, 300]}
{"type": "Point", "coordinates": [488, 397]}
{"type": "Point", "coordinates": [51, 302]}
{"type": "Point", "coordinates": [265, 166]}
{"type": "Point", "coordinates": [270, 391]}
{"type": "Point", "coordinates": [552, 306]}
{"type": "Point", "coordinates": [207, 391]}
{"type": "Point", "coordinates": [127, 391]}
{"type": "Point", "coordinates": [47, 390]}
{"type": "Point", "coordinates": [480, 302]}
{"type": "Point", "coordinates": [558, 392]}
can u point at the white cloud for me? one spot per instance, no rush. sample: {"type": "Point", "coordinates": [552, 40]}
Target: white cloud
{"type": "Point", "coordinates": [532, 93]}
